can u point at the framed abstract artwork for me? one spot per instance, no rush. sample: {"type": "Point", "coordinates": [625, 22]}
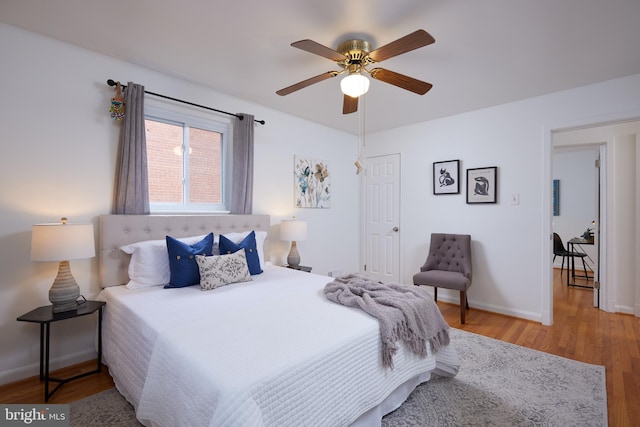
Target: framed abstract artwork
{"type": "Point", "coordinates": [556, 197]}
{"type": "Point", "coordinates": [446, 177]}
{"type": "Point", "coordinates": [311, 183]}
{"type": "Point", "coordinates": [482, 185]}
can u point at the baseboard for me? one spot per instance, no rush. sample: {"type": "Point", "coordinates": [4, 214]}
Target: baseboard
{"type": "Point", "coordinates": [625, 309]}
{"type": "Point", "coordinates": [536, 317]}
{"type": "Point", "coordinates": [33, 369]}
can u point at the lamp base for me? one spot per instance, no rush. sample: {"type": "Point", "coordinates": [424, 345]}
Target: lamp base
{"type": "Point", "coordinates": [293, 259]}
{"type": "Point", "coordinates": [65, 291]}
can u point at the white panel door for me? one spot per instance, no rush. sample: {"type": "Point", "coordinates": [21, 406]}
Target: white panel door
{"type": "Point", "coordinates": [382, 218]}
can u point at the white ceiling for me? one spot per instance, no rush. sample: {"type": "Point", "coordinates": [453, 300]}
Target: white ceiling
{"type": "Point", "coordinates": [486, 52]}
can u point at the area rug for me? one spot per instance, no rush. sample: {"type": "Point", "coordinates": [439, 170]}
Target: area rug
{"type": "Point", "coordinates": [502, 384]}
{"type": "Point", "coordinates": [499, 384]}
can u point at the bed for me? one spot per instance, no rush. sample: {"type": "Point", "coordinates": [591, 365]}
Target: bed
{"type": "Point", "coordinates": [271, 351]}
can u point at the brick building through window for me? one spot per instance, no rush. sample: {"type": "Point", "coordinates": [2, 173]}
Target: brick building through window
{"type": "Point", "coordinates": [184, 164]}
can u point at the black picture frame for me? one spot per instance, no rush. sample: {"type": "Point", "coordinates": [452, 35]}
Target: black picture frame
{"type": "Point", "coordinates": [482, 185]}
{"type": "Point", "coordinates": [446, 177]}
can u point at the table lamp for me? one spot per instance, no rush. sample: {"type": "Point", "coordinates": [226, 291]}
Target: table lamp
{"type": "Point", "coordinates": [293, 230]}
{"type": "Point", "coordinates": [62, 242]}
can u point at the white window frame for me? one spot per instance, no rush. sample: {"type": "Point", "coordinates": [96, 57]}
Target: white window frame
{"type": "Point", "coordinates": [189, 119]}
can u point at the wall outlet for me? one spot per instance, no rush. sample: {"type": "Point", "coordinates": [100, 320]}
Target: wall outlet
{"type": "Point", "coordinates": [335, 273]}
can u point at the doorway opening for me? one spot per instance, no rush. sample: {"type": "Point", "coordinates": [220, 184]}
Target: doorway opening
{"type": "Point", "coordinates": [617, 231]}
{"type": "Point", "coordinates": [576, 213]}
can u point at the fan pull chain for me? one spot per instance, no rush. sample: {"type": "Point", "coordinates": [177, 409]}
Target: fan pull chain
{"type": "Point", "coordinates": [361, 130]}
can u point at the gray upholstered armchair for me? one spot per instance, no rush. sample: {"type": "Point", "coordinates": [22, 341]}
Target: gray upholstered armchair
{"type": "Point", "coordinates": [448, 266]}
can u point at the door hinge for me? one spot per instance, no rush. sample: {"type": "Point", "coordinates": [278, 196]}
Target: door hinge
{"type": "Point", "coordinates": [596, 284]}
{"type": "Point", "coordinates": [365, 267]}
{"type": "Point", "coordinates": [597, 163]}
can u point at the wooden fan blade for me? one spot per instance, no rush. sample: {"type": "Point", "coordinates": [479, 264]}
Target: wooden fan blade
{"type": "Point", "coordinates": [400, 80]}
{"type": "Point", "coordinates": [308, 82]}
{"type": "Point", "coordinates": [404, 44]}
{"type": "Point", "coordinates": [318, 49]}
{"type": "Point", "coordinates": [349, 105]}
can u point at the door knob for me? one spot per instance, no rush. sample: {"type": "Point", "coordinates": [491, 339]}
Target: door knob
{"type": "Point", "coordinates": [395, 229]}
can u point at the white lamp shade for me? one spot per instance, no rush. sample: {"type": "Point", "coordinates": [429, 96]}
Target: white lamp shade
{"type": "Point", "coordinates": [293, 230]}
{"type": "Point", "coordinates": [354, 85]}
{"type": "Point", "coordinates": [62, 242]}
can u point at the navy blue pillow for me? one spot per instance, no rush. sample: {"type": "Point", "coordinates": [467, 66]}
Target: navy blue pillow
{"type": "Point", "coordinates": [250, 249]}
{"type": "Point", "coordinates": [182, 260]}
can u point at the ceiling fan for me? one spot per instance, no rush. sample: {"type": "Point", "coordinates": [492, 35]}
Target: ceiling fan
{"type": "Point", "coordinates": [353, 57]}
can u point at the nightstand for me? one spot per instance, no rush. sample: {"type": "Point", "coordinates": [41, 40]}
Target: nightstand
{"type": "Point", "coordinates": [45, 316]}
{"type": "Point", "coordinates": [300, 267]}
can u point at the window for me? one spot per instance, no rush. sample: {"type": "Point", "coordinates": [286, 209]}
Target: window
{"type": "Point", "coordinates": [186, 162]}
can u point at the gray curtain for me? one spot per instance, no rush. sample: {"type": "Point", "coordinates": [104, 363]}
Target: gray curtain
{"type": "Point", "coordinates": [131, 195]}
{"type": "Point", "coordinates": [242, 176]}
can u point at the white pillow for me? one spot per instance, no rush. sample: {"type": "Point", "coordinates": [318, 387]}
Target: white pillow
{"type": "Point", "coordinates": [261, 236]}
{"type": "Point", "coordinates": [149, 264]}
{"type": "Point", "coordinates": [220, 270]}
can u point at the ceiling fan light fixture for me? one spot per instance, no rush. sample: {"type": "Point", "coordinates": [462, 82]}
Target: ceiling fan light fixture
{"type": "Point", "coordinates": [354, 85]}
{"type": "Point", "coordinates": [352, 56]}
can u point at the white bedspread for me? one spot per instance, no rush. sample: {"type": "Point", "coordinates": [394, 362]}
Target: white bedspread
{"type": "Point", "coordinates": [270, 352]}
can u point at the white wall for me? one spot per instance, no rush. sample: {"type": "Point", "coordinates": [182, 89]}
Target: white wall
{"type": "Point", "coordinates": [510, 242]}
{"type": "Point", "coordinates": [58, 159]}
{"type": "Point", "coordinates": [623, 295]}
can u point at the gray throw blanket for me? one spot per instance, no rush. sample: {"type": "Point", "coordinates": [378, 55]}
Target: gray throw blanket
{"type": "Point", "coordinates": [403, 311]}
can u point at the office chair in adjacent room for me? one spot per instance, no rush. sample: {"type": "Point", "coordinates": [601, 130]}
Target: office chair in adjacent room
{"type": "Point", "coordinates": [560, 250]}
{"type": "Point", "coordinates": [448, 266]}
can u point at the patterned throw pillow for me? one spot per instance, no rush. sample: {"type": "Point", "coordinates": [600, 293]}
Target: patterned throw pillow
{"type": "Point", "coordinates": [220, 270]}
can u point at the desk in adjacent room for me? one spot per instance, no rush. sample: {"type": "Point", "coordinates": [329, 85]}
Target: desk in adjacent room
{"type": "Point", "coordinates": [579, 241]}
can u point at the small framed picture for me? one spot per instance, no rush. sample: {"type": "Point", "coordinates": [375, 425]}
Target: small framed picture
{"type": "Point", "coordinates": [482, 185]}
{"type": "Point", "coordinates": [446, 177]}
{"type": "Point", "coordinates": [556, 197]}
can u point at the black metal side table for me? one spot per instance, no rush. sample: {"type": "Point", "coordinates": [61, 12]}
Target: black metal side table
{"type": "Point", "coordinates": [300, 267]}
{"type": "Point", "coordinates": [45, 316]}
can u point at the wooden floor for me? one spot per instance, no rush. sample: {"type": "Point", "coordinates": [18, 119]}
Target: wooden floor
{"type": "Point", "coordinates": [580, 332]}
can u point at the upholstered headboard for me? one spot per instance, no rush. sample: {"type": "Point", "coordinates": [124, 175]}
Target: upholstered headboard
{"type": "Point", "coordinates": [119, 230]}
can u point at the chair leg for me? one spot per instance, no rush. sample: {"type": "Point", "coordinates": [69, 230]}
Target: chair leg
{"type": "Point", "coordinates": [435, 294]}
{"type": "Point", "coordinates": [463, 302]}
{"type": "Point", "coordinates": [584, 266]}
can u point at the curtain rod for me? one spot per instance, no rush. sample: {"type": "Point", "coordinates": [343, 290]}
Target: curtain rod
{"type": "Point", "coordinates": [240, 116]}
